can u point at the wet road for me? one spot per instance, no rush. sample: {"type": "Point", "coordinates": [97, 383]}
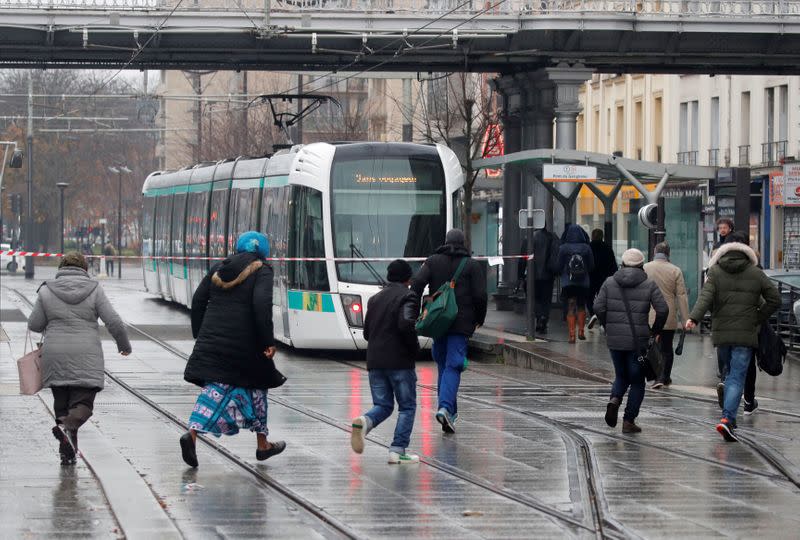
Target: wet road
{"type": "Point", "coordinates": [532, 456]}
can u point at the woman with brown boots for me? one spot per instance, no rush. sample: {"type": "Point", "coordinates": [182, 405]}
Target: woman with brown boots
{"type": "Point", "coordinates": [576, 261]}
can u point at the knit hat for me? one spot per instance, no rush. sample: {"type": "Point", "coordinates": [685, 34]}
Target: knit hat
{"type": "Point", "coordinates": [455, 236]}
{"type": "Point", "coordinates": [73, 258]}
{"type": "Point", "coordinates": [633, 258]}
{"type": "Point", "coordinates": [253, 242]}
{"type": "Point", "coordinates": [399, 271]}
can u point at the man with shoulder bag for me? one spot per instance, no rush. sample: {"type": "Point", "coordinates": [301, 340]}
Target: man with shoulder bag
{"type": "Point", "coordinates": [623, 307]}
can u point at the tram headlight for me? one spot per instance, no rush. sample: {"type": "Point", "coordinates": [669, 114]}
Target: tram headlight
{"type": "Point", "coordinates": [353, 309]}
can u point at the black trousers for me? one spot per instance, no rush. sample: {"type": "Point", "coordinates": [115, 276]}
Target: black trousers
{"type": "Point", "coordinates": [110, 267]}
{"type": "Point", "coordinates": [543, 291]}
{"type": "Point", "coordinates": [667, 351]}
{"type": "Point", "coordinates": [73, 405]}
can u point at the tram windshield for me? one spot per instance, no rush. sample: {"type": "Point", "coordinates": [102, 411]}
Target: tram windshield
{"type": "Point", "coordinates": [386, 207]}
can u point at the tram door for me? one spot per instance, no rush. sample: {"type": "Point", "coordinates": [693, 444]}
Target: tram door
{"type": "Point", "coordinates": [178, 273]}
{"type": "Point", "coordinates": [162, 243]}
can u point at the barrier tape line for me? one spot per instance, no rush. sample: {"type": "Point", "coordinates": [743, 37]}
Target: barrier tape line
{"type": "Point", "coordinates": [13, 253]}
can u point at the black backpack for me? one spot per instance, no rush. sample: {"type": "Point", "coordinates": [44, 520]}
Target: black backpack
{"type": "Point", "coordinates": [576, 267]}
{"type": "Point", "coordinates": [771, 351]}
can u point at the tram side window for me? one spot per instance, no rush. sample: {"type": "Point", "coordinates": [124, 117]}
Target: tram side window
{"type": "Point", "coordinates": [147, 225]}
{"type": "Point", "coordinates": [196, 223]}
{"type": "Point", "coordinates": [307, 239]}
{"type": "Point", "coordinates": [178, 223]}
{"type": "Point", "coordinates": [163, 218]}
{"type": "Point", "coordinates": [216, 233]}
{"type": "Point", "coordinates": [244, 209]}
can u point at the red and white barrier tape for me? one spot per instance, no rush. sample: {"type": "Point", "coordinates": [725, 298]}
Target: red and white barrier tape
{"type": "Point", "coordinates": [490, 258]}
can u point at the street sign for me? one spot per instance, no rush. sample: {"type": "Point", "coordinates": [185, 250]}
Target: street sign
{"type": "Point", "coordinates": [568, 173]}
{"type": "Point", "coordinates": [531, 219]}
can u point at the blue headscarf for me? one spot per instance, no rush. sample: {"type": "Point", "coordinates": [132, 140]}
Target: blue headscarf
{"type": "Point", "coordinates": [253, 242]}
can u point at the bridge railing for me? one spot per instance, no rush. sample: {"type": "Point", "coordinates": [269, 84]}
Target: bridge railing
{"type": "Point", "coordinates": [670, 8]}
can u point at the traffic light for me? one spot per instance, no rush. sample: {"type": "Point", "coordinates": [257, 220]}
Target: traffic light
{"type": "Point", "coordinates": [648, 215]}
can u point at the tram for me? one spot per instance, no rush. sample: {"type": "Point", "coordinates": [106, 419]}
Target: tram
{"type": "Point", "coordinates": [350, 200]}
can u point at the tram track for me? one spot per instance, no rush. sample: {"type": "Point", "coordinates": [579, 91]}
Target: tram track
{"type": "Point", "coordinates": [278, 488]}
{"type": "Point", "coordinates": [787, 470]}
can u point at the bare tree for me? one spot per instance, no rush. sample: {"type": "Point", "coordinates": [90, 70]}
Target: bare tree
{"type": "Point", "coordinates": [460, 111]}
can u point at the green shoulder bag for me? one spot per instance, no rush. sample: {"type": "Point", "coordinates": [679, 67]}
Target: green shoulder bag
{"type": "Point", "coordinates": [440, 311]}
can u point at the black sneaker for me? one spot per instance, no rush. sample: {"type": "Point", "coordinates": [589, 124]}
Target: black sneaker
{"type": "Point", "coordinates": [612, 412]}
{"type": "Point", "coordinates": [65, 448]}
{"type": "Point", "coordinates": [721, 395]}
{"type": "Point", "coordinates": [276, 448]}
{"type": "Point", "coordinates": [750, 408]}
{"type": "Point", "coordinates": [188, 450]}
{"type": "Point", "coordinates": [726, 428]}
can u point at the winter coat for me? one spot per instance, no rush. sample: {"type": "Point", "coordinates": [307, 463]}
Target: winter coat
{"type": "Point", "coordinates": [232, 324]}
{"type": "Point", "coordinates": [605, 264]}
{"type": "Point", "coordinates": [641, 293]}
{"type": "Point", "coordinates": [66, 311]}
{"type": "Point", "coordinates": [575, 241]}
{"type": "Point", "coordinates": [733, 293]}
{"type": "Point", "coordinates": [669, 279]}
{"type": "Point", "coordinates": [389, 328]}
{"type": "Point", "coordinates": [545, 256]}
{"type": "Point", "coordinates": [471, 296]}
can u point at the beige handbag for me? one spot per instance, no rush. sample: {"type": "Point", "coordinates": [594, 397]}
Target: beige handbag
{"type": "Point", "coordinates": [30, 368]}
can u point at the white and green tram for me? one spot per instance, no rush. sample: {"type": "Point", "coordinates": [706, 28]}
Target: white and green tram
{"type": "Point", "coordinates": [356, 201]}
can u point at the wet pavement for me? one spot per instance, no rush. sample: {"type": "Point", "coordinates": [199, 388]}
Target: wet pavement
{"type": "Point", "coordinates": [532, 456]}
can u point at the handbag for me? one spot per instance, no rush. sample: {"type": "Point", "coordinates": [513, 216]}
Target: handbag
{"type": "Point", "coordinates": [651, 359]}
{"type": "Point", "coordinates": [439, 313]}
{"type": "Point", "coordinates": [29, 367]}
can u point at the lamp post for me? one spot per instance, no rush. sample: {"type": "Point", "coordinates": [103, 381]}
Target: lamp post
{"type": "Point", "coordinates": [61, 187]}
{"type": "Point", "coordinates": [15, 163]}
{"type": "Point", "coordinates": [120, 170]}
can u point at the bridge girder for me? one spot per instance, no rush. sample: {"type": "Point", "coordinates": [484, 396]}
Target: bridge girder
{"type": "Point", "coordinates": [505, 43]}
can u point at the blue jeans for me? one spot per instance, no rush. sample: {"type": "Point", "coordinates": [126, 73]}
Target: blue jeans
{"type": "Point", "coordinates": [738, 361]}
{"type": "Point", "coordinates": [386, 386]}
{"type": "Point", "coordinates": [629, 373]}
{"type": "Point", "coordinates": [449, 353]}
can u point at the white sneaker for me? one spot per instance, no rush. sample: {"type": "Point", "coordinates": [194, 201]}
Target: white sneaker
{"type": "Point", "coordinates": [402, 459]}
{"type": "Point", "coordinates": [358, 434]}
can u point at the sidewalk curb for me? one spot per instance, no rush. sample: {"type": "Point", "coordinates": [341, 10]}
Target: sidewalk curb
{"type": "Point", "coordinates": [523, 355]}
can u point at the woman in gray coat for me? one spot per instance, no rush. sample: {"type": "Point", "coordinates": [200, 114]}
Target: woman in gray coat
{"type": "Point", "coordinates": [66, 312]}
{"type": "Point", "coordinates": [623, 307]}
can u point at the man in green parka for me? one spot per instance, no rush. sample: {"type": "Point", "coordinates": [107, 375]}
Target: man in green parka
{"type": "Point", "coordinates": [741, 297]}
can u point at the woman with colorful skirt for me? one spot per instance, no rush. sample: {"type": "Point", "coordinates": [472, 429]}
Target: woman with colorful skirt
{"type": "Point", "coordinates": [232, 360]}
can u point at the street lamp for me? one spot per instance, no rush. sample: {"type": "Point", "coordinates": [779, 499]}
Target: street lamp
{"type": "Point", "coordinates": [119, 170]}
{"type": "Point", "coordinates": [61, 187]}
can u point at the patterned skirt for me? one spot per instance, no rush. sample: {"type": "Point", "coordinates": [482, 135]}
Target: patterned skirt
{"type": "Point", "coordinates": [223, 409]}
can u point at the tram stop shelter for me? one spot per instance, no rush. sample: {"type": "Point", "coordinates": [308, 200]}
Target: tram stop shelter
{"type": "Point", "coordinates": [524, 172]}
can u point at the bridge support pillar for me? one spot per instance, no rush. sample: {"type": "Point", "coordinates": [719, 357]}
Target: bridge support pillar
{"type": "Point", "coordinates": [512, 135]}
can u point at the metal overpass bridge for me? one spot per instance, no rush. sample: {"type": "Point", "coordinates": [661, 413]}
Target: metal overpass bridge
{"type": "Point", "coordinates": [499, 36]}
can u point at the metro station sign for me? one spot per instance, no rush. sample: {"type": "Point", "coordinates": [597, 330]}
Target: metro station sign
{"type": "Point", "coordinates": [493, 146]}
{"type": "Point", "coordinates": [568, 173]}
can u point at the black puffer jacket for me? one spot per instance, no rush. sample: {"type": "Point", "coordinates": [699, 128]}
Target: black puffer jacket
{"type": "Point", "coordinates": [232, 324]}
{"type": "Point", "coordinates": [545, 256]}
{"type": "Point", "coordinates": [389, 328]}
{"type": "Point", "coordinates": [641, 293]}
{"type": "Point", "coordinates": [470, 288]}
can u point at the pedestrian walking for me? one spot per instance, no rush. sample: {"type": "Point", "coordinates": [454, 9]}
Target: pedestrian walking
{"type": "Point", "coordinates": [110, 253]}
{"type": "Point", "coordinates": [450, 351]}
{"type": "Point", "coordinates": [392, 348]}
{"type": "Point", "coordinates": [669, 279]}
{"type": "Point", "coordinates": [741, 298]}
{"type": "Point", "coordinates": [605, 264]}
{"type": "Point", "coordinates": [232, 360]}
{"type": "Point", "coordinates": [724, 230]}
{"type": "Point", "coordinates": [545, 269]}
{"type": "Point", "coordinates": [575, 262]}
{"type": "Point", "coordinates": [623, 308]}
{"type": "Point", "coordinates": [66, 313]}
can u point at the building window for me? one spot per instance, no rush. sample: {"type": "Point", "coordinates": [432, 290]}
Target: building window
{"type": "Point", "coordinates": [689, 127]}
{"type": "Point", "coordinates": [658, 127]}
{"type": "Point", "coordinates": [713, 149]}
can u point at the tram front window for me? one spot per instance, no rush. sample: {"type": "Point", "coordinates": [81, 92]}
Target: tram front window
{"type": "Point", "coordinates": [386, 207]}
